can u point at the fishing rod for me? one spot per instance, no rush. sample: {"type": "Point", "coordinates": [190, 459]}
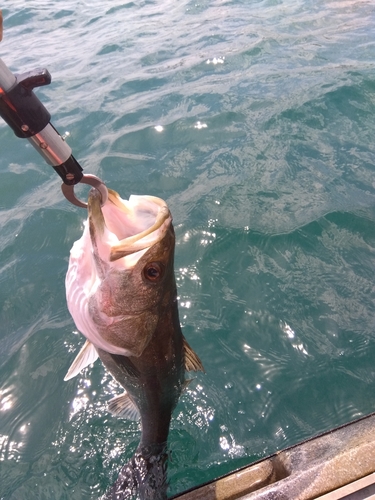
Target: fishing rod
{"type": "Point", "coordinates": [21, 109]}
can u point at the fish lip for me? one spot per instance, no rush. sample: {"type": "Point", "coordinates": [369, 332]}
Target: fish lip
{"type": "Point", "coordinates": [133, 243]}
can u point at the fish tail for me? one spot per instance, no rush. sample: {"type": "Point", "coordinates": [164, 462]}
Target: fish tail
{"type": "Point", "coordinates": [144, 477]}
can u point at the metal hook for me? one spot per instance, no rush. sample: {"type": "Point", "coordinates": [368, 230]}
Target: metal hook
{"type": "Point", "coordinates": [91, 180]}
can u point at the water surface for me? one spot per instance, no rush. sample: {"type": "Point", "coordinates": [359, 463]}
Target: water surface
{"type": "Point", "coordinates": [254, 120]}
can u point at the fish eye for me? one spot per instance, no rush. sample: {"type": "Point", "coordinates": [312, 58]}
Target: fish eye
{"type": "Point", "coordinates": [153, 271]}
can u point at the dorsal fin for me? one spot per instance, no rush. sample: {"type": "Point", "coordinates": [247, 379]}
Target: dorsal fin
{"type": "Point", "coordinates": [192, 361]}
{"type": "Point", "coordinates": [123, 406]}
{"type": "Point", "coordinates": [85, 357]}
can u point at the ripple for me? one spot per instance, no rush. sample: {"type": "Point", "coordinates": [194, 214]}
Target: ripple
{"type": "Point", "coordinates": [256, 125]}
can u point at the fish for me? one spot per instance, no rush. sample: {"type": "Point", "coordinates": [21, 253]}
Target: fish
{"type": "Point", "coordinates": [121, 293]}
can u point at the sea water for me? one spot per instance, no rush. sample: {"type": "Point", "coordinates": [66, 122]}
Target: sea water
{"type": "Point", "coordinates": [255, 121]}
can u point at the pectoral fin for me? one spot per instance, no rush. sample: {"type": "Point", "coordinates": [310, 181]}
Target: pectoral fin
{"type": "Point", "coordinates": [85, 357]}
{"type": "Point", "coordinates": [123, 406]}
{"type": "Point", "coordinates": [192, 362]}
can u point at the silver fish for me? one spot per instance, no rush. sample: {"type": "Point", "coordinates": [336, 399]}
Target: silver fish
{"type": "Point", "coordinates": [121, 293]}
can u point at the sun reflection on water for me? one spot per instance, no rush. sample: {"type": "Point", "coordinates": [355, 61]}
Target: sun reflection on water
{"type": "Point", "coordinates": [229, 445]}
{"type": "Point", "coordinates": [208, 238]}
{"type": "Point", "coordinates": [216, 60]}
{"type": "Point", "coordinates": [200, 125]}
{"type": "Point", "coordinates": [6, 400]}
{"type": "Point", "coordinates": [289, 332]}
{"type": "Point", "coordinates": [188, 272]}
{"type": "Point", "coordinates": [199, 413]}
{"type": "Point", "coordinates": [9, 450]}
{"type": "Point", "coordinates": [81, 400]}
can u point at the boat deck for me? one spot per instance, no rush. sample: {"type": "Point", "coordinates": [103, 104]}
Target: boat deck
{"type": "Point", "coordinates": [339, 464]}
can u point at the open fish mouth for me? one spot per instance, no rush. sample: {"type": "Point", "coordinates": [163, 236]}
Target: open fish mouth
{"type": "Point", "coordinates": [123, 228]}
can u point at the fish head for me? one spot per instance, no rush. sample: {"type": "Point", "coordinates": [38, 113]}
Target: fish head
{"type": "Point", "coordinates": [121, 279]}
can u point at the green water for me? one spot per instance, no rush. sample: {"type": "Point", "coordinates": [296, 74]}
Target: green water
{"type": "Point", "coordinates": [266, 159]}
